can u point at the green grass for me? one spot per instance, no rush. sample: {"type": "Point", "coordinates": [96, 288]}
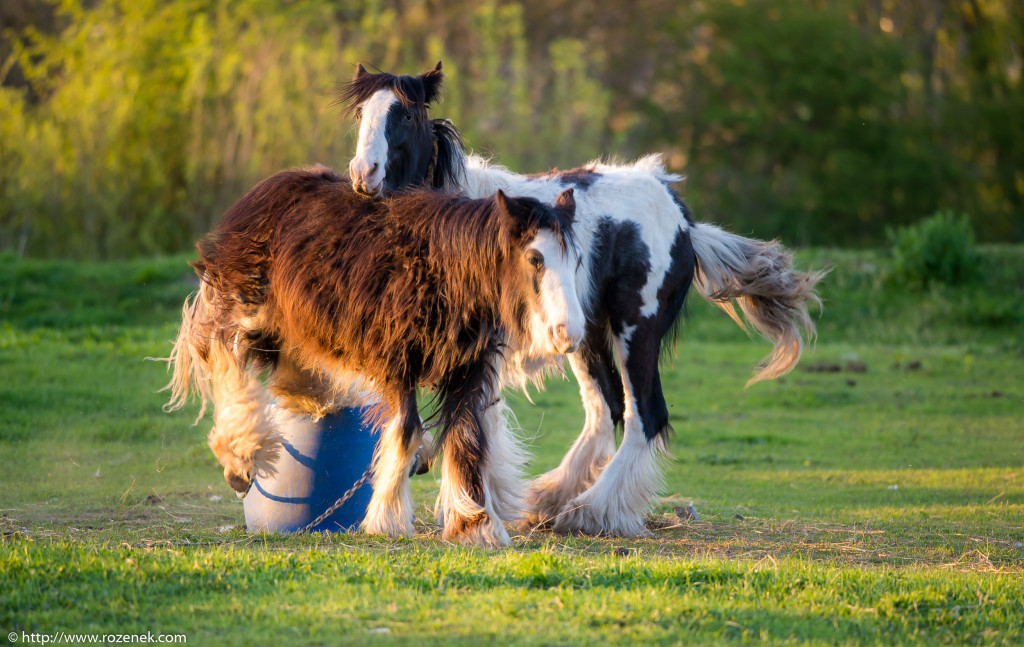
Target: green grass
{"type": "Point", "coordinates": [876, 499]}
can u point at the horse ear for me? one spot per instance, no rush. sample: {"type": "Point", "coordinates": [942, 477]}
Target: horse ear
{"type": "Point", "coordinates": [509, 211]}
{"type": "Point", "coordinates": [432, 80]}
{"type": "Point", "coordinates": [502, 201]}
{"type": "Point", "coordinates": [360, 71]}
{"type": "Point", "coordinates": [567, 201]}
{"type": "Point", "coordinates": [509, 207]}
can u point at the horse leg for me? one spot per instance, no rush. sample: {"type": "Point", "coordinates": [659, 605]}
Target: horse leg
{"type": "Point", "coordinates": [243, 437]}
{"type": "Point", "coordinates": [601, 391]}
{"type": "Point", "coordinates": [301, 391]}
{"type": "Point", "coordinates": [206, 355]}
{"type": "Point", "coordinates": [504, 477]}
{"type": "Point", "coordinates": [390, 511]}
{"type": "Point", "coordinates": [465, 500]}
{"type": "Point", "coordinates": [615, 503]}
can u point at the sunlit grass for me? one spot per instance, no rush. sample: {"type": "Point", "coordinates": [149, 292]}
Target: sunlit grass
{"type": "Point", "coordinates": [878, 498]}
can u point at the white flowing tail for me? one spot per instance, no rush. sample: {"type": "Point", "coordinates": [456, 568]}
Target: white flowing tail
{"type": "Point", "coordinates": [758, 276]}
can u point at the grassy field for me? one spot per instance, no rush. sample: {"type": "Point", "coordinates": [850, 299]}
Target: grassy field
{"type": "Point", "coordinates": [874, 495]}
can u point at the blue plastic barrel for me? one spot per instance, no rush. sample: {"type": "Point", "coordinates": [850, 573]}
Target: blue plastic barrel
{"type": "Point", "coordinates": [319, 463]}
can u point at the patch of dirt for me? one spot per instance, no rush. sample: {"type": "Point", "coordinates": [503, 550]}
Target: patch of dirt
{"type": "Point", "coordinates": [853, 366]}
{"type": "Point", "coordinates": [758, 539]}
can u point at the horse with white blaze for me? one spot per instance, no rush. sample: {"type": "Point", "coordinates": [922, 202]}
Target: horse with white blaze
{"type": "Point", "coordinates": [322, 289]}
{"type": "Point", "coordinates": [642, 249]}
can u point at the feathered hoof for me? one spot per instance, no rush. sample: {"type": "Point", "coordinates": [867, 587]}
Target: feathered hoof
{"type": "Point", "coordinates": [483, 532]}
{"type": "Point", "coordinates": [388, 525]}
{"type": "Point", "coordinates": [509, 506]}
{"type": "Point", "coordinates": [545, 498]}
{"type": "Point", "coordinates": [580, 517]}
{"type": "Point", "coordinates": [240, 485]}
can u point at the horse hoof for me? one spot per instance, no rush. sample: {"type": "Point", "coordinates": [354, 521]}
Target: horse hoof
{"type": "Point", "coordinates": [579, 517]}
{"type": "Point", "coordinates": [545, 498]}
{"type": "Point", "coordinates": [487, 533]}
{"type": "Point", "coordinates": [392, 523]}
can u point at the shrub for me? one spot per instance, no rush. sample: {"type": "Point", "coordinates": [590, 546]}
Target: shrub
{"type": "Point", "coordinates": [146, 119]}
{"type": "Point", "coordinates": [937, 249]}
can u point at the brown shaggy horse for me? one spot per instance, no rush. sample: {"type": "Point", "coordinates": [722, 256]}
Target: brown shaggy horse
{"type": "Point", "coordinates": [303, 277]}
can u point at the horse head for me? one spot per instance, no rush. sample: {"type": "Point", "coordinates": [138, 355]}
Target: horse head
{"type": "Point", "coordinates": [399, 145]}
{"type": "Point", "coordinates": [544, 273]}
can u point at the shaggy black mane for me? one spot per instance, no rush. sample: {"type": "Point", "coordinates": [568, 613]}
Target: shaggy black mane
{"type": "Point", "coordinates": [449, 155]}
{"type": "Point", "coordinates": [422, 89]}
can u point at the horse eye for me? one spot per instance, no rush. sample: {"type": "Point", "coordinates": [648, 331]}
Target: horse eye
{"type": "Point", "coordinates": [536, 260]}
{"type": "Point", "coordinates": [408, 116]}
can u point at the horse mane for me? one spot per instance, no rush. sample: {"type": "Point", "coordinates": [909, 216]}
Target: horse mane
{"type": "Point", "coordinates": [456, 224]}
{"type": "Point", "coordinates": [411, 90]}
{"type": "Point", "coordinates": [449, 160]}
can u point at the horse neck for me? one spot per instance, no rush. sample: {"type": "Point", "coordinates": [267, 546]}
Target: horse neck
{"type": "Point", "coordinates": [483, 179]}
{"type": "Point", "coordinates": [470, 258]}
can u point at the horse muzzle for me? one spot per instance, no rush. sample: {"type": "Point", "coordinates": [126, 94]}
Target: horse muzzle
{"type": "Point", "coordinates": [367, 179]}
{"type": "Point", "coordinates": [361, 189]}
{"type": "Point", "coordinates": [562, 340]}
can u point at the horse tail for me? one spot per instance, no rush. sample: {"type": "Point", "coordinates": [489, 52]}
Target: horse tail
{"type": "Point", "coordinates": [190, 354]}
{"type": "Point", "coordinates": [758, 276]}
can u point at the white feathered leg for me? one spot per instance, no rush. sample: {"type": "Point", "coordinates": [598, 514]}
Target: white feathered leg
{"type": "Point", "coordinates": [390, 511]}
{"type": "Point", "coordinates": [616, 502]}
{"type": "Point", "coordinates": [505, 467]}
{"type": "Point", "coordinates": [503, 471]}
{"type": "Point", "coordinates": [480, 473]}
{"type": "Point", "coordinates": [581, 466]}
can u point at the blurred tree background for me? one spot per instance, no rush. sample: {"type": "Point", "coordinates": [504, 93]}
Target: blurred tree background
{"type": "Point", "coordinates": [128, 126]}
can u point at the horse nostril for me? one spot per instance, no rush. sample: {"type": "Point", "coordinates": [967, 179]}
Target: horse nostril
{"type": "Point", "coordinates": [376, 165]}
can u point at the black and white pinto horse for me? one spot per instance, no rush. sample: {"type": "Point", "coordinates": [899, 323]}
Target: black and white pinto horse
{"type": "Point", "coordinates": [642, 250]}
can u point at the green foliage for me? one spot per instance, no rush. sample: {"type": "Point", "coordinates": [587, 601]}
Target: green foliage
{"type": "Point", "coordinates": [938, 249]}
{"type": "Point", "coordinates": [794, 130]}
{"type": "Point", "coordinates": [127, 127]}
{"type": "Point", "coordinates": [69, 295]}
{"type": "Point", "coordinates": [155, 116]}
